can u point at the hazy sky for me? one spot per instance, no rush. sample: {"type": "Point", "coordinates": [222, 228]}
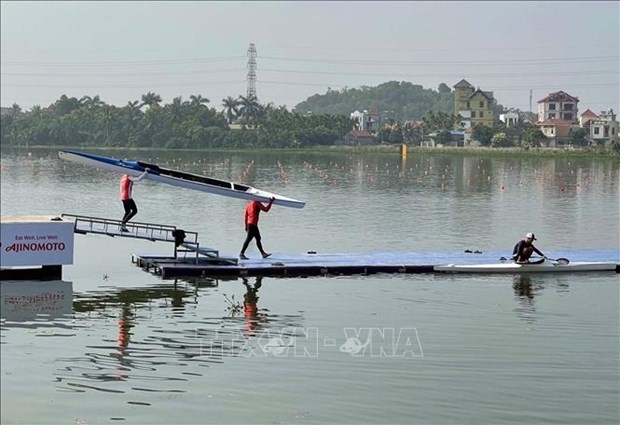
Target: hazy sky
{"type": "Point", "coordinates": [121, 50]}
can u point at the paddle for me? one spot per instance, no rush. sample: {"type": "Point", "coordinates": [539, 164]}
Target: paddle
{"type": "Point", "coordinates": [559, 261]}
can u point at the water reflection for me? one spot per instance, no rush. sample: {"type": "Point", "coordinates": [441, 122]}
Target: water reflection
{"type": "Point", "coordinates": [125, 323]}
{"type": "Point", "coordinates": [528, 287]}
{"type": "Point", "coordinates": [22, 302]}
{"type": "Point", "coordinates": [525, 291]}
{"type": "Point", "coordinates": [250, 307]}
{"type": "Point", "coordinates": [176, 295]}
{"type": "Point", "coordinates": [154, 338]}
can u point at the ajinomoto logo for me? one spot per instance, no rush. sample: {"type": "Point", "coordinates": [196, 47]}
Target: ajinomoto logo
{"type": "Point", "coordinates": [35, 246]}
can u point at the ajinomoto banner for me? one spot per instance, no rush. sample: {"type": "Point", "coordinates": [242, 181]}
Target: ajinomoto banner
{"type": "Point", "coordinates": [36, 243]}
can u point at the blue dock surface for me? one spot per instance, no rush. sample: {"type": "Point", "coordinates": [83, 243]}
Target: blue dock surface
{"type": "Point", "coordinates": [191, 259]}
{"type": "Point", "coordinates": [321, 264]}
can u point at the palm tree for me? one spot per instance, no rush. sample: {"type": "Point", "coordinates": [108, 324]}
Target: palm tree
{"type": "Point", "coordinates": [250, 108]}
{"type": "Point", "coordinates": [15, 110]}
{"type": "Point", "coordinates": [150, 99]}
{"type": "Point", "coordinates": [198, 100]}
{"type": "Point", "coordinates": [91, 102]}
{"type": "Point", "coordinates": [231, 108]}
{"type": "Point", "coordinates": [85, 100]}
{"type": "Point", "coordinates": [134, 106]}
{"type": "Point", "coordinates": [65, 105]}
{"type": "Point", "coordinates": [175, 108]}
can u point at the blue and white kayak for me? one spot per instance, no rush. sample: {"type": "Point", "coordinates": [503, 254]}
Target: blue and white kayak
{"type": "Point", "coordinates": [179, 178]}
{"type": "Point", "coordinates": [546, 266]}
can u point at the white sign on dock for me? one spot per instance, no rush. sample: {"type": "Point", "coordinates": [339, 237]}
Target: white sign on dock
{"type": "Point", "coordinates": [35, 241]}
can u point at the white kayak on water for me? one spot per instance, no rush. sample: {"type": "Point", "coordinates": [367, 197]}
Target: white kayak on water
{"type": "Point", "coordinates": [545, 266]}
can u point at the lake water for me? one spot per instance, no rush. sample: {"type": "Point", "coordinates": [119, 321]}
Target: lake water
{"type": "Point", "coordinates": [113, 344]}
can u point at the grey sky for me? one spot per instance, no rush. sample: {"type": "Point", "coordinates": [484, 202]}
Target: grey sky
{"type": "Point", "coordinates": [121, 50]}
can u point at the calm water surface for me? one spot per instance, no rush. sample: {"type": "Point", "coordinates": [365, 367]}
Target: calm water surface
{"type": "Point", "coordinates": [113, 344]}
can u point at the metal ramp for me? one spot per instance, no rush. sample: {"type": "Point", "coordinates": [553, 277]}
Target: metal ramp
{"type": "Point", "coordinates": [184, 242]}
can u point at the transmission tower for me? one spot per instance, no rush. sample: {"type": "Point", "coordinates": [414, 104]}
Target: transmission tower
{"type": "Point", "coordinates": [252, 71]}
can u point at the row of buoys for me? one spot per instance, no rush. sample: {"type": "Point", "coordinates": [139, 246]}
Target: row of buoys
{"type": "Point", "coordinates": [283, 173]}
{"type": "Point", "coordinates": [246, 171]}
{"type": "Point", "coordinates": [378, 171]}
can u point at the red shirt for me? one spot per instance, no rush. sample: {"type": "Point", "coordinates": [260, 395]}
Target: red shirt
{"type": "Point", "coordinates": [252, 210]}
{"type": "Point", "coordinates": [126, 186]}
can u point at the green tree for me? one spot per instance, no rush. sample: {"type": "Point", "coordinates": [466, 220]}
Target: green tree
{"type": "Point", "coordinates": [231, 108]}
{"type": "Point", "coordinates": [499, 140]}
{"type": "Point", "coordinates": [91, 102]}
{"type": "Point", "coordinates": [444, 88]}
{"type": "Point", "coordinates": [437, 121]}
{"type": "Point", "coordinates": [198, 100]}
{"type": "Point", "coordinates": [16, 110]}
{"type": "Point", "coordinates": [65, 105]}
{"type": "Point", "coordinates": [249, 108]}
{"type": "Point", "coordinates": [579, 136]}
{"type": "Point", "coordinates": [483, 134]}
{"type": "Point", "coordinates": [533, 137]}
{"type": "Point", "coordinates": [150, 99]}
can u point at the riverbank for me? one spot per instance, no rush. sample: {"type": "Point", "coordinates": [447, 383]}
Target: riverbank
{"type": "Point", "coordinates": [376, 149]}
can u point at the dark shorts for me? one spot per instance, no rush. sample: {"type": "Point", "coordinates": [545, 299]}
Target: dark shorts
{"type": "Point", "coordinates": [253, 232]}
{"type": "Point", "coordinates": [130, 205]}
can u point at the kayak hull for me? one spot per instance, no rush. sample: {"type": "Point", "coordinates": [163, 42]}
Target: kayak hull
{"type": "Point", "coordinates": [179, 178]}
{"type": "Point", "coordinates": [545, 267]}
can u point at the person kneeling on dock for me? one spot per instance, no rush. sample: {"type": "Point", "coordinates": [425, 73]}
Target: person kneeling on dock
{"type": "Point", "coordinates": [250, 219]}
{"type": "Point", "coordinates": [131, 209]}
{"type": "Point", "coordinates": [524, 248]}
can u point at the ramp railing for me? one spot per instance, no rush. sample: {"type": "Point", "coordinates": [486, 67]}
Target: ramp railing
{"type": "Point", "coordinates": [184, 241]}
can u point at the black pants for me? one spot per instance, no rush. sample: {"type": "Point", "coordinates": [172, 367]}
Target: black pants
{"type": "Point", "coordinates": [253, 233]}
{"type": "Point", "coordinates": [131, 209]}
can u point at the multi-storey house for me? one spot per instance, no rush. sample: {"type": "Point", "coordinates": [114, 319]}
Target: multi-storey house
{"type": "Point", "coordinates": [558, 106]}
{"type": "Point", "coordinates": [366, 120]}
{"type": "Point", "coordinates": [474, 106]}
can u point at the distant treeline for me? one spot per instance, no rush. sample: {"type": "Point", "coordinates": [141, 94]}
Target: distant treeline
{"type": "Point", "coordinates": [398, 100]}
{"type": "Point", "coordinates": [192, 124]}
{"type": "Point", "coordinates": [238, 122]}
{"type": "Point", "coordinates": [243, 122]}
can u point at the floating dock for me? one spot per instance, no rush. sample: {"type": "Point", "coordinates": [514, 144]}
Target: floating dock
{"type": "Point", "coordinates": [344, 264]}
{"type": "Point", "coordinates": [191, 259]}
{"type": "Point", "coordinates": [279, 265]}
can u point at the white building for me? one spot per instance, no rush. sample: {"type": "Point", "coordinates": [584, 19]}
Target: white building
{"type": "Point", "coordinates": [366, 120]}
{"type": "Point", "coordinates": [604, 128]}
{"type": "Point", "coordinates": [509, 118]}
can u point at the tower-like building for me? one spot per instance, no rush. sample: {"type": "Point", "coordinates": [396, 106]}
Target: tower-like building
{"type": "Point", "coordinates": [251, 71]}
{"type": "Point", "coordinates": [475, 106]}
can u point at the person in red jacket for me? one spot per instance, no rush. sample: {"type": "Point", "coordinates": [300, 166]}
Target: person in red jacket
{"type": "Point", "coordinates": [131, 209]}
{"type": "Point", "coordinates": [250, 220]}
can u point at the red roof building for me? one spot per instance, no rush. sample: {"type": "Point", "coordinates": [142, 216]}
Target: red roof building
{"type": "Point", "coordinates": [586, 117]}
{"type": "Point", "coordinates": [558, 105]}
